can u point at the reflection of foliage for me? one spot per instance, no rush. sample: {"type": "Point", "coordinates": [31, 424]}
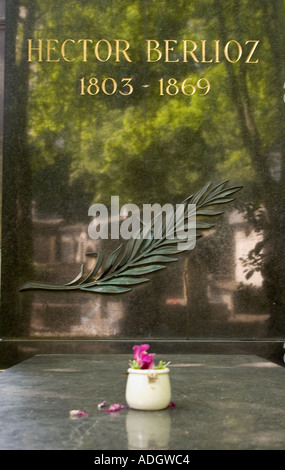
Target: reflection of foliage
{"type": "Point", "coordinates": [250, 299]}
{"type": "Point", "coordinates": [255, 216]}
{"type": "Point", "coordinates": [72, 197]}
{"type": "Point", "coordinates": [132, 142]}
{"type": "Point", "coordinates": [254, 262]}
{"type": "Point", "coordinates": [145, 253]}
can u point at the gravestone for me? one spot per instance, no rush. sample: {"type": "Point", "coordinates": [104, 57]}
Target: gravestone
{"type": "Point", "coordinates": [145, 102]}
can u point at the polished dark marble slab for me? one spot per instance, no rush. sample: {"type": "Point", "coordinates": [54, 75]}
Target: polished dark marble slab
{"type": "Point", "coordinates": [64, 152]}
{"type": "Point", "coordinates": [222, 402]}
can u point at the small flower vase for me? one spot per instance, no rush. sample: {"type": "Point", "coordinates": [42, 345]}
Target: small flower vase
{"type": "Point", "coordinates": [148, 389]}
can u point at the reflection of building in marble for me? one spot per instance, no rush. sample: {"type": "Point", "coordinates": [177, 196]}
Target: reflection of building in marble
{"type": "Point", "coordinates": [55, 242]}
{"type": "Point", "coordinates": [206, 292]}
{"type": "Point", "coordinates": [95, 318]}
{"type": "Point", "coordinates": [223, 291]}
{"type": "Point", "coordinates": [228, 300]}
{"type": "Point", "coordinates": [100, 318]}
{"type": "Point", "coordinates": [59, 250]}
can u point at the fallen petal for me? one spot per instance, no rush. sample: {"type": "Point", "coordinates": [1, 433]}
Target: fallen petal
{"type": "Point", "coordinates": [75, 413]}
{"type": "Point", "coordinates": [116, 407]}
{"type": "Point", "coordinates": [101, 405]}
{"type": "Point", "coordinates": [171, 404]}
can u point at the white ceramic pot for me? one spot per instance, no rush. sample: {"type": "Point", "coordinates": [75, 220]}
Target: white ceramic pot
{"type": "Point", "coordinates": [148, 389]}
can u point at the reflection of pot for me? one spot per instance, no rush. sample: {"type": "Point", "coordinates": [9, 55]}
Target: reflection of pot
{"type": "Point", "coordinates": [148, 430]}
{"type": "Point", "coordinates": [148, 389]}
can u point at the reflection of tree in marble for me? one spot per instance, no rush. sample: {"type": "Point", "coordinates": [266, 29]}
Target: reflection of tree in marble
{"type": "Point", "coordinates": [147, 148]}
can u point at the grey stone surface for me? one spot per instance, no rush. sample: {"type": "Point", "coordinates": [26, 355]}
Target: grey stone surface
{"type": "Point", "coordinates": [222, 402]}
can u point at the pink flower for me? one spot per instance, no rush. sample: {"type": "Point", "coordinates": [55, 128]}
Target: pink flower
{"type": "Point", "coordinates": [144, 360]}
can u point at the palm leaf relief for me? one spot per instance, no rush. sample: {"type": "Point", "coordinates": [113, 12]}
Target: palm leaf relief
{"type": "Point", "coordinates": [143, 254]}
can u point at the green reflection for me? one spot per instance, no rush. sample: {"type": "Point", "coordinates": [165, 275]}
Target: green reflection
{"type": "Point", "coordinates": [71, 140]}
